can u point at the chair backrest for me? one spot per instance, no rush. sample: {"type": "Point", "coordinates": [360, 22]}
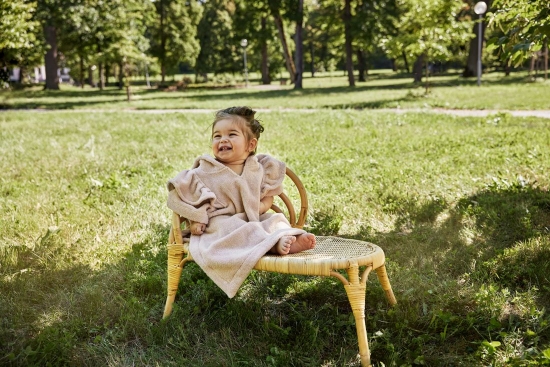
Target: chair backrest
{"type": "Point", "coordinates": [296, 222]}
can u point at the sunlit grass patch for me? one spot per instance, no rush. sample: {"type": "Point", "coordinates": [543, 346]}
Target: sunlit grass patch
{"type": "Point", "coordinates": [383, 89]}
{"type": "Point", "coordinates": [459, 205]}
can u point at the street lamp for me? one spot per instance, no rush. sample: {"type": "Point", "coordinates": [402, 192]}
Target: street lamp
{"type": "Point", "coordinates": [480, 8]}
{"type": "Point", "coordinates": [244, 43]}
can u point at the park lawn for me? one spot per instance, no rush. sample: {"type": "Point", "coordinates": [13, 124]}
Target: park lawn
{"type": "Point", "coordinates": [381, 90]}
{"type": "Point", "coordinates": [460, 206]}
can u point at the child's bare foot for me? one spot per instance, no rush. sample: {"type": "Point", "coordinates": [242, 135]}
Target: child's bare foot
{"type": "Point", "coordinates": [282, 247]}
{"type": "Point", "coordinates": [303, 242]}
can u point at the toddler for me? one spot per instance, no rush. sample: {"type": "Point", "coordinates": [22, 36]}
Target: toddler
{"type": "Point", "coordinates": [226, 199]}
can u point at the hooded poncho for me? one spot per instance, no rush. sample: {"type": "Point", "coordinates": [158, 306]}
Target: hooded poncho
{"type": "Point", "coordinates": [236, 235]}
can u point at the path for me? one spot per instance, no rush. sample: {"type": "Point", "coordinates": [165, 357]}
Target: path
{"type": "Point", "coordinates": [474, 113]}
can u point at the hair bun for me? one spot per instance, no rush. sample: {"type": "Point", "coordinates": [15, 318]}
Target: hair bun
{"type": "Point", "coordinates": [242, 111]}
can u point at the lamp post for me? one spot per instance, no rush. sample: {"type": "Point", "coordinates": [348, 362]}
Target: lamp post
{"type": "Point", "coordinates": [244, 43]}
{"type": "Point", "coordinates": [480, 8]}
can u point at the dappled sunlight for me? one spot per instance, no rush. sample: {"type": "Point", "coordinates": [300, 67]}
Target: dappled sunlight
{"type": "Point", "coordinates": [385, 90]}
{"type": "Point", "coordinates": [460, 207]}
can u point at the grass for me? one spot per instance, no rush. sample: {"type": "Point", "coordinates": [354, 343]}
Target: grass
{"type": "Point", "coordinates": [382, 90]}
{"type": "Point", "coordinates": [460, 206]}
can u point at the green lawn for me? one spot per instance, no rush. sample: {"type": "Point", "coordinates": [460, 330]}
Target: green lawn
{"type": "Point", "coordinates": [382, 90]}
{"type": "Point", "coordinates": [460, 206]}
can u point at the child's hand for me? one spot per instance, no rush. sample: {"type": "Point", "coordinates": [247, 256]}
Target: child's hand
{"type": "Point", "coordinates": [197, 228]}
{"type": "Point", "coordinates": [265, 204]}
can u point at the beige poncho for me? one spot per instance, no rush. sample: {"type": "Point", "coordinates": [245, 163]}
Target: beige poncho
{"type": "Point", "coordinates": [236, 235]}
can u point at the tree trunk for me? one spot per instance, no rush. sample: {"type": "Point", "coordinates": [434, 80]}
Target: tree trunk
{"type": "Point", "coordinates": [81, 72]}
{"type": "Point", "coordinates": [126, 77]}
{"type": "Point", "coordinates": [100, 70]}
{"type": "Point", "coordinates": [50, 59]}
{"type": "Point", "coordinates": [22, 72]}
{"type": "Point", "coordinates": [406, 62]}
{"type": "Point", "coordinates": [120, 76]}
{"type": "Point", "coordinates": [312, 54]}
{"type": "Point", "coordinates": [299, 47]}
{"type": "Point", "coordinates": [265, 58]}
{"type": "Point", "coordinates": [470, 70]}
{"type": "Point", "coordinates": [91, 76]}
{"type": "Point", "coordinates": [427, 76]}
{"type": "Point", "coordinates": [546, 60]}
{"type": "Point", "coordinates": [101, 76]}
{"type": "Point", "coordinates": [417, 69]}
{"type": "Point", "coordinates": [393, 65]}
{"type": "Point", "coordinates": [286, 53]}
{"type": "Point", "coordinates": [348, 40]}
{"type": "Point", "coordinates": [361, 65]}
{"type": "Point", "coordinates": [162, 45]}
{"type": "Point", "coordinates": [532, 66]}
{"type": "Point", "coordinates": [507, 69]}
{"type": "Point", "coordinates": [107, 73]}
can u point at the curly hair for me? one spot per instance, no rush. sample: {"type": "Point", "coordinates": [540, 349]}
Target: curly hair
{"type": "Point", "coordinates": [244, 116]}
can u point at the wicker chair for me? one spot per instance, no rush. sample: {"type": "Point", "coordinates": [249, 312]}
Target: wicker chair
{"type": "Point", "coordinates": [329, 255]}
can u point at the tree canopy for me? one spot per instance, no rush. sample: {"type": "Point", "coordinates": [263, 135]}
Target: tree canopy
{"type": "Point", "coordinates": [525, 25]}
{"type": "Point", "coordinates": [204, 36]}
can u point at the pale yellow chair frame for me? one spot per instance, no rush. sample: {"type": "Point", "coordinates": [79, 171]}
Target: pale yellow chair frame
{"type": "Point", "coordinates": [329, 255]}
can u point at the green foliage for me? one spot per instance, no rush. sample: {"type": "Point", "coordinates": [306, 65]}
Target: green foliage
{"type": "Point", "coordinates": [324, 34]}
{"type": "Point", "coordinates": [173, 33]}
{"type": "Point", "coordinates": [430, 28]}
{"type": "Point", "coordinates": [219, 51]}
{"type": "Point", "coordinates": [525, 25]}
{"type": "Point", "coordinates": [17, 27]}
{"type": "Point", "coordinates": [20, 35]}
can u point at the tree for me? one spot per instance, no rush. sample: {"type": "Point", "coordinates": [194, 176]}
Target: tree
{"type": "Point", "coordinates": [526, 28]}
{"type": "Point", "coordinates": [275, 8]}
{"type": "Point", "coordinates": [347, 18]}
{"type": "Point", "coordinates": [324, 35]}
{"type": "Point", "coordinates": [16, 29]}
{"type": "Point", "coordinates": [218, 47]}
{"type": "Point", "coordinates": [428, 30]}
{"type": "Point", "coordinates": [373, 20]}
{"type": "Point", "coordinates": [298, 41]}
{"type": "Point", "coordinates": [173, 34]}
{"type": "Point", "coordinates": [19, 41]}
{"type": "Point", "coordinates": [79, 31]}
{"type": "Point", "coordinates": [126, 43]}
{"type": "Point", "coordinates": [50, 14]}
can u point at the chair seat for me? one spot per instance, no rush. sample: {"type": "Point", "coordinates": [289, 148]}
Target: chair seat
{"type": "Point", "coordinates": [329, 254]}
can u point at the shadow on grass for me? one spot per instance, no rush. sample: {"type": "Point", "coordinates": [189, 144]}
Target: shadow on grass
{"type": "Point", "coordinates": [111, 316]}
{"type": "Point", "coordinates": [74, 98]}
{"type": "Point", "coordinates": [78, 315]}
{"type": "Point", "coordinates": [477, 271]}
{"type": "Point", "coordinates": [475, 235]}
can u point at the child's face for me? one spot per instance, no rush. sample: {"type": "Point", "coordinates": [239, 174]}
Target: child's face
{"type": "Point", "coordinates": [229, 142]}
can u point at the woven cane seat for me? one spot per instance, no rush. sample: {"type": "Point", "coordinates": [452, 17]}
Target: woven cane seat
{"type": "Point", "coordinates": [330, 253]}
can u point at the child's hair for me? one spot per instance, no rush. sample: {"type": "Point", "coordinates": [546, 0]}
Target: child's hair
{"type": "Point", "coordinates": [244, 116]}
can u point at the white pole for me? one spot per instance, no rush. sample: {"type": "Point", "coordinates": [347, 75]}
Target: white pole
{"type": "Point", "coordinates": [245, 67]}
{"type": "Point", "coordinates": [479, 9]}
{"type": "Point", "coordinates": [244, 43]}
{"type": "Point", "coordinates": [480, 29]}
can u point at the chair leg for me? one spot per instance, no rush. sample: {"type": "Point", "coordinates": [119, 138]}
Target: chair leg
{"type": "Point", "coordinates": [356, 291]}
{"type": "Point", "coordinates": [175, 267]}
{"type": "Point", "coordinates": [385, 282]}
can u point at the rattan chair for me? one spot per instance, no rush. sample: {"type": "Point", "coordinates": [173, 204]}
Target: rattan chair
{"type": "Point", "coordinates": [329, 255]}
